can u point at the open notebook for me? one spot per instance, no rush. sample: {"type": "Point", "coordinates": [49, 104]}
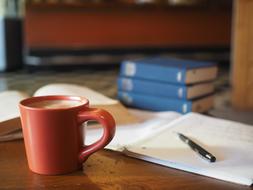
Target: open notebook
{"type": "Point", "coordinates": [10, 99]}
{"type": "Point", "coordinates": [155, 140]}
{"type": "Point", "coordinates": [10, 128]}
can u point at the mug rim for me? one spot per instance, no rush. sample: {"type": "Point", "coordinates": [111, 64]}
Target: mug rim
{"type": "Point", "coordinates": [24, 103]}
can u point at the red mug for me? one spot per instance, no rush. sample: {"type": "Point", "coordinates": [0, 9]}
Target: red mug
{"type": "Point", "coordinates": [52, 133]}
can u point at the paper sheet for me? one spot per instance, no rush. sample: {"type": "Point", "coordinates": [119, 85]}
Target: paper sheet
{"type": "Point", "coordinates": [9, 101]}
{"type": "Point", "coordinates": [230, 142]}
{"type": "Point", "coordinates": [94, 97]}
{"type": "Point", "coordinates": [127, 134]}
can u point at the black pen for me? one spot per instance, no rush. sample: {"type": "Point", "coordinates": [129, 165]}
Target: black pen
{"type": "Point", "coordinates": [195, 147]}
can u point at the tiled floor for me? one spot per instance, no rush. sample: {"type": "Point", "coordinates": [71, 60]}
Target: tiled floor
{"type": "Point", "coordinates": [104, 81]}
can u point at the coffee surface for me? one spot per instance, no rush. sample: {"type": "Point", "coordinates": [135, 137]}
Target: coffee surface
{"type": "Point", "coordinates": [54, 104]}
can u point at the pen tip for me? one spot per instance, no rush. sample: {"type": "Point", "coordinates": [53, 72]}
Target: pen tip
{"type": "Point", "coordinates": [177, 133]}
{"type": "Point", "coordinates": [213, 159]}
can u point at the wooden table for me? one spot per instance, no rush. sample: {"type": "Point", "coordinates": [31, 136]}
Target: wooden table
{"type": "Point", "coordinates": [103, 170]}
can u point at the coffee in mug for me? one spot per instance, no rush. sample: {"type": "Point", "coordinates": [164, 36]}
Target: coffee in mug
{"type": "Point", "coordinates": [54, 104]}
{"type": "Point", "coordinates": [52, 136]}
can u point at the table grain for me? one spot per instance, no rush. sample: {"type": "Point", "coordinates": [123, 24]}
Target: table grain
{"type": "Point", "coordinates": [103, 170]}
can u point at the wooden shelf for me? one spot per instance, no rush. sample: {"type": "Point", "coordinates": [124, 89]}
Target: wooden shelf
{"type": "Point", "coordinates": [207, 4]}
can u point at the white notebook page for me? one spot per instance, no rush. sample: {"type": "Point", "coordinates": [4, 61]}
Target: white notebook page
{"type": "Point", "coordinates": [128, 134]}
{"type": "Point", "coordinates": [230, 142]}
{"type": "Point", "coordinates": [9, 101]}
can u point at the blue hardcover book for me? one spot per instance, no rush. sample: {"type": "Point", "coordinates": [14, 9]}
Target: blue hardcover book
{"type": "Point", "coordinates": [169, 90]}
{"type": "Point", "coordinates": [155, 103]}
{"type": "Point", "coordinates": [169, 70]}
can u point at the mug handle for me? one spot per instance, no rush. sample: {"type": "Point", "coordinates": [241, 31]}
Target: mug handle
{"type": "Point", "coordinates": [108, 124]}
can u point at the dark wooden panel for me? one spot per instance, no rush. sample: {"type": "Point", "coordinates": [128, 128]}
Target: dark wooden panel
{"type": "Point", "coordinates": [119, 26]}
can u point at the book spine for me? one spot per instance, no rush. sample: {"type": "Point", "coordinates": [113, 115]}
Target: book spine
{"type": "Point", "coordinates": [153, 72]}
{"type": "Point", "coordinates": [152, 88]}
{"type": "Point", "coordinates": [154, 103]}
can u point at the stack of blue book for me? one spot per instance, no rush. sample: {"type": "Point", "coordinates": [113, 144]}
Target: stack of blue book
{"type": "Point", "coordinates": [167, 84]}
